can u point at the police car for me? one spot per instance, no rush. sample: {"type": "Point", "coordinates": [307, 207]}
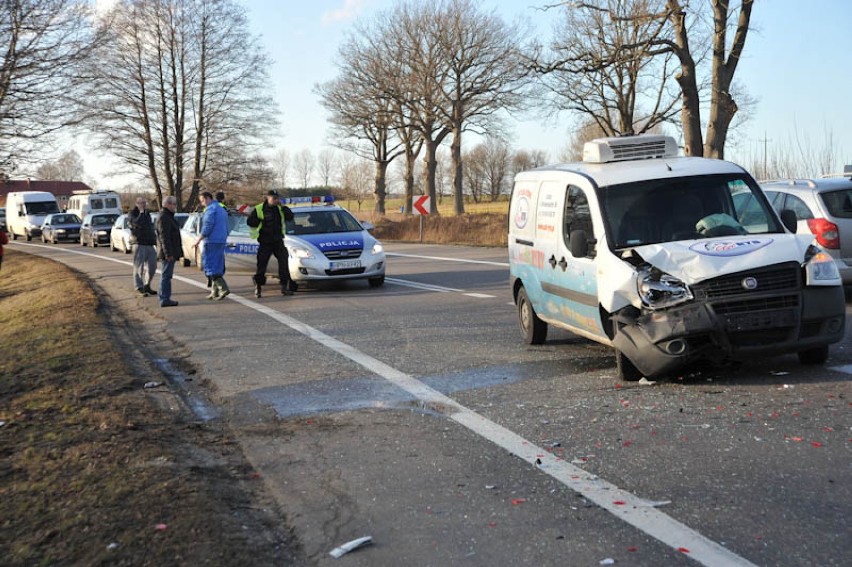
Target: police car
{"type": "Point", "coordinates": [326, 242]}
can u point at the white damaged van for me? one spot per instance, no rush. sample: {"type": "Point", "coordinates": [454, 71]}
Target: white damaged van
{"type": "Point", "coordinates": [668, 259]}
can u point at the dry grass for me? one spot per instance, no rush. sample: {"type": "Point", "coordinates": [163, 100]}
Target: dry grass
{"type": "Point", "coordinates": [86, 460]}
{"type": "Point", "coordinates": [486, 229]}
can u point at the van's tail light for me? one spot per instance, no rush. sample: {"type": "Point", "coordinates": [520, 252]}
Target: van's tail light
{"type": "Point", "coordinates": [826, 232]}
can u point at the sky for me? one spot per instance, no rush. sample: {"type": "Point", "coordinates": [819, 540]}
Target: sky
{"type": "Point", "coordinates": [795, 65]}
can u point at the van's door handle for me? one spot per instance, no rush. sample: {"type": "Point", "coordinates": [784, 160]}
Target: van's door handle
{"type": "Point", "coordinates": [524, 242]}
{"type": "Point", "coordinates": [552, 261]}
{"type": "Point", "coordinates": [563, 264]}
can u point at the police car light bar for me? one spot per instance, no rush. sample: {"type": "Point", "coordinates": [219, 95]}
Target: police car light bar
{"type": "Point", "coordinates": [307, 200]}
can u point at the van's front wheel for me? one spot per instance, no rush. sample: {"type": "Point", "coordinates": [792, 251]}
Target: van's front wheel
{"type": "Point", "coordinates": [533, 329]}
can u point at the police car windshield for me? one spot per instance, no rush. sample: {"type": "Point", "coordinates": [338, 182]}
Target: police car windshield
{"type": "Point", "coordinates": [238, 225]}
{"type": "Point", "coordinates": [322, 222]}
{"type": "Point", "coordinates": [685, 208]}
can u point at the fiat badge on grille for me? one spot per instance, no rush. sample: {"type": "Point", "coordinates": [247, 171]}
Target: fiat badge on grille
{"type": "Point", "coordinates": [749, 283]}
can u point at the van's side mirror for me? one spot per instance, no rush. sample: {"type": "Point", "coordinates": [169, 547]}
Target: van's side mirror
{"type": "Point", "coordinates": [20, 213]}
{"type": "Point", "coordinates": [578, 243]}
{"type": "Point", "coordinates": [789, 220]}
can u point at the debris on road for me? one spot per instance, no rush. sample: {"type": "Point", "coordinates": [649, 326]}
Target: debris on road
{"type": "Point", "coordinates": [339, 552]}
{"type": "Point", "coordinates": [607, 561]}
{"type": "Point", "coordinates": [645, 382]}
{"type": "Point", "coordinates": [150, 385]}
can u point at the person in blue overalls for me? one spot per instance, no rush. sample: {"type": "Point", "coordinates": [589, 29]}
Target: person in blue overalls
{"type": "Point", "coordinates": [214, 231]}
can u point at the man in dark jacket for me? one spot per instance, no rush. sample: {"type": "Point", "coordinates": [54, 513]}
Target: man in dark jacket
{"type": "Point", "coordinates": [268, 223]}
{"type": "Point", "coordinates": [169, 249]}
{"type": "Point", "coordinates": [143, 238]}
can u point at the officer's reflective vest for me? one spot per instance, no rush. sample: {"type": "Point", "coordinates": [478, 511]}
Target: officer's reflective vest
{"type": "Point", "coordinates": [254, 231]}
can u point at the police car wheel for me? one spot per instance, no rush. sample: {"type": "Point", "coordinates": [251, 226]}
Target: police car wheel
{"type": "Point", "coordinates": [813, 356]}
{"type": "Point", "coordinates": [533, 329]}
{"type": "Point", "coordinates": [625, 369]}
{"type": "Point", "coordinates": [377, 282]}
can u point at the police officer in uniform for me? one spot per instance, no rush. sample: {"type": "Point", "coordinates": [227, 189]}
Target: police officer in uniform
{"type": "Point", "coordinates": [268, 223]}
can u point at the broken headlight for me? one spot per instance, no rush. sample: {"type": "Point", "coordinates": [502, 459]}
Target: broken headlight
{"type": "Point", "coordinates": [659, 290]}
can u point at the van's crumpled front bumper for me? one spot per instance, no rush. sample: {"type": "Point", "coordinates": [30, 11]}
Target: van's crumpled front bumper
{"type": "Point", "coordinates": [658, 342]}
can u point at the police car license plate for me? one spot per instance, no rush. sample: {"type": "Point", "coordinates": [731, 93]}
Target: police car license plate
{"type": "Point", "coordinates": [345, 265]}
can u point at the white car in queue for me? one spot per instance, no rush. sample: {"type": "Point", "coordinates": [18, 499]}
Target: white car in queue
{"type": "Point", "coordinates": [327, 243]}
{"type": "Point", "coordinates": [241, 249]}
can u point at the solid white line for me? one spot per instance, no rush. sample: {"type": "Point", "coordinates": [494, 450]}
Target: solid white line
{"type": "Point", "coordinates": [437, 288]}
{"type": "Point", "coordinates": [481, 295]}
{"type": "Point", "coordinates": [486, 262]}
{"type": "Point", "coordinates": [630, 508]}
{"type": "Point", "coordinates": [846, 368]}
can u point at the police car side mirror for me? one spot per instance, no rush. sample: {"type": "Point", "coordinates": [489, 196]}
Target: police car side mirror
{"type": "Point", "coordinates": [578, 243]}
{"type": "Point", "coordinates": [789, 220]}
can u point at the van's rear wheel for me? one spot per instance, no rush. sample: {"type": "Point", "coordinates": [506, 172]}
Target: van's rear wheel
{"type": "Point", "coordinates": [625, 369]}
{"type": "Point", "coordinates": [813, 356]}
{"type": "Point", "coordinates": [533, 329]}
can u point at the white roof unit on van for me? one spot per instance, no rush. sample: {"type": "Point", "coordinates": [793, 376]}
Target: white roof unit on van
{"type": "Point", "coordinates": [606, 150]}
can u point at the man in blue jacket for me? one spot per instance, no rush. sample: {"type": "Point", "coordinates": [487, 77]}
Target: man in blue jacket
{"type": "Point", "coordinates": [214, 233]}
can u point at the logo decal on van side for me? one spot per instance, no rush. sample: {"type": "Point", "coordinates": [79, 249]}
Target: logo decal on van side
{"type": "Point", "coordinates": [730, 247]}
{"type": "Point", "coordinates": [522, 212]}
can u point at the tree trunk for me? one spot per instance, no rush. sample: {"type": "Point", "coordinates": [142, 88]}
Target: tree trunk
{"type": "Point", "coordinates": [410, 159]}
{"type": "Point", "coordinates": [458, 170]}
{"type": "Point", "coordinates": [381, 184]}
{"type": "Point", "coordinates": [691, 109]}
{"type": "Point", "coordinates": [429, 171]}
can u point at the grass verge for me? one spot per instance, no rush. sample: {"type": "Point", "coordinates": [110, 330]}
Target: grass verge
{"type": "Point", "coordinates": [92, 471]}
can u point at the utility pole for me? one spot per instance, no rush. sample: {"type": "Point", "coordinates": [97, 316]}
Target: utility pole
{"type": "Point", "coordinates": [765, 140]}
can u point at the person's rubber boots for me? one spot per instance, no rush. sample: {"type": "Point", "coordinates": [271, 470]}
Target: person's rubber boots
{"type": "Point", "coordinates": [285, 290]}
{"type": "Point", "coordinates": [214, 289]}
{"type": "Point", "coordinates": [223, 288]}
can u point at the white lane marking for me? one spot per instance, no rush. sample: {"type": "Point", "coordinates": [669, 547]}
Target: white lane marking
{"type": "Point", "coordinates": [463, 260]}
{"type": "Point", "coordinates": [846, 368]}
{"type": "Point", "coordinates": [437, 288]}
{"type": "Point", "coordinates": [628, 507]}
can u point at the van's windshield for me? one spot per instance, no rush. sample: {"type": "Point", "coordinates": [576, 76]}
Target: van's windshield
{"type": "Point", "coordinates": [685, 208]}
{"type": "Point", "coordinates": [41, 207]}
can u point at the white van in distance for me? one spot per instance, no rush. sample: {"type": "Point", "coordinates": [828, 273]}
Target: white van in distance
{"type": "Point", "coordinates": [82, 203]}
{"type": "Point", "coordinates": [668, 259]}
{"type": "Point", "coordinates": [25, 212]}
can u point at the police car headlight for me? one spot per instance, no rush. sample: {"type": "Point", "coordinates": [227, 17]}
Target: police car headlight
{"type": "Point", "coordinates": [659, 290]}
{"type": "Point", "coordinates": [378, 248]}
{"type": "Point", "coordinates": [299, 252]}
{"type": "Point", "coordinates": [821, 270]}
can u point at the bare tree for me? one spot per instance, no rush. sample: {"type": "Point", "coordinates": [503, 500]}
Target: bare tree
{"type": "Point", "coordinates": [44, 45]}
{"type": "Point", "coordinates": [304, 164]}
{"type": "Point", "coordinates": [361, 111]}
{"type": "Point", "coordinates": [356, 179]}
{"type": "Point", "coordinates": [523, 160]}
{"type": "Point", "coordinates": [327, 162]}
{"type": "Point", "coordinates": [68, 167]}
{"type": "Point", "coordinates": [179, 92]}
{"type": "Point", "coordinates": [482, 72]}
{"type": "Point", "coordinates": [474, 172]}
{"type": "Point", "coordinates": [605, 66]}
{"type": "Point", "coordinates": [281, 165]}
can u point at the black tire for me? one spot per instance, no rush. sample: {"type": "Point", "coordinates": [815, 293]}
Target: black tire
{"type": "Point", "coordinates": [187, 262]}
{"type": "Point", "coordinates": [625, 369]}
{"type": "Point", "coordinates": [533, 329]}
{"type": "Point", "coordinates": [813, 356]}
{"type": "Point", "coordinates": [377, 282]}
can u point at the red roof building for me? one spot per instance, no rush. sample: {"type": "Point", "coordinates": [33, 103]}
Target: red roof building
{"type": "Point", "coordinates": [62, 190]}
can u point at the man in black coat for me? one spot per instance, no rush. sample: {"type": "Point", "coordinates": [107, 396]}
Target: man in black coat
{"type": "Point", "coordinates": [169, 249]}
{"type": "Point", "coordinates": [268, 223]}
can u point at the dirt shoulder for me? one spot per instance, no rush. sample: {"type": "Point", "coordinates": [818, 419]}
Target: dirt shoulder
{"type": "Point", "coordinates": [96, 469]}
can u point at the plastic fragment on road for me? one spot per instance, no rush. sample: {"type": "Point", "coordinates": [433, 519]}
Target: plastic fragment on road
{"type": "Point", "coordinates": [779, 372]}
{"type": "Point", "coordinates": [645, 382]}
{"type": "Point", "coordinates": [607, 561]}
{"type": "Point", "coordinates": [160, 527]}
{"type": "Point", "coordinates": [518, 501]}
{"type": "Point", "coordinates": [339, 552]}
{"type": "Point", "coordinates": [653, 503]}
{"type": "Point", "coordinates": [113, 546]}
{"type": "Point", "coordinates": [149, 385]}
